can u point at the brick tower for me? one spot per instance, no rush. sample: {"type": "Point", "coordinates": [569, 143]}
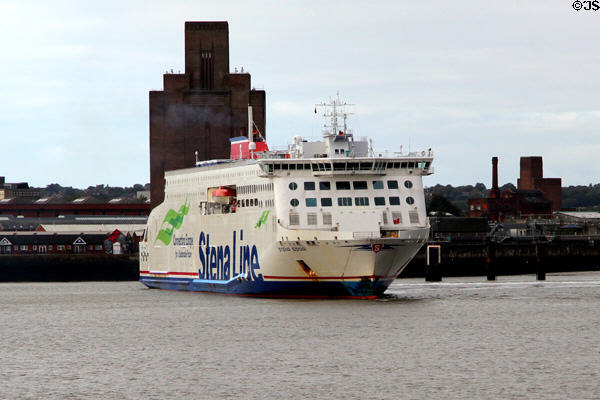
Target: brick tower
{"type": "Point", "coordinates": [200, 109]}
{"type": "Point", "coordinates": [532, 178]}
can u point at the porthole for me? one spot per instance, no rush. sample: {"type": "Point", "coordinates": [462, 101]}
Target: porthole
{"type": "Point", "coordinates": [293, 186]}
{"type": "Point", "coordinates": [410, 200]}
{"type": "Point", "coordinates": [294, 202]}
{"type": "Point", "coordinates": [408, 184]}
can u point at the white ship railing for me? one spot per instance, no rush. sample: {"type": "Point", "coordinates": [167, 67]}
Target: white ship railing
{"type": "Point", "coordinates": [366, 235]}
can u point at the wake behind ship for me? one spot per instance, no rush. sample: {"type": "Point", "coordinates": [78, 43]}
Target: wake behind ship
{"type": "Point", "coordinates": [326, 218]}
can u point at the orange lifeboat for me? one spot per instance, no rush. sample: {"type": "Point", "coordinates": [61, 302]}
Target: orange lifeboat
{"type": "Point", "coordinates": [223, 192]}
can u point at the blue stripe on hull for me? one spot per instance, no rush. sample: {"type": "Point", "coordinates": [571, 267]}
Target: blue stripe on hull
{"type": "Point", "coordinates": [359, 289]}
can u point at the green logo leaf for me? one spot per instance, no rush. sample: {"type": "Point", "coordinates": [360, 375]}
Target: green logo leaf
{"type": "Point", "coordinates": [172, 221]}
{"type": "Point", "coordinates": [263, 219]}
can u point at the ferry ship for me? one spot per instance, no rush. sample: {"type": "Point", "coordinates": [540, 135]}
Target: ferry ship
{"type": "Point", "coordinates": [324, 218]}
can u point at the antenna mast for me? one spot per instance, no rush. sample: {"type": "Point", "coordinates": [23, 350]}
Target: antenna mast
{"type": "Point", "coordinates": [333, 109]}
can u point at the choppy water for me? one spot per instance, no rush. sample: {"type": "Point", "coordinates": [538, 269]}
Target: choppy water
{"type": "Point", "coordinates": [463, 338]}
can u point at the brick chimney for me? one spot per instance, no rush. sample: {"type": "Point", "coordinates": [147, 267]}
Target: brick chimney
{"type": "Point", "coordinates": [495, 192]}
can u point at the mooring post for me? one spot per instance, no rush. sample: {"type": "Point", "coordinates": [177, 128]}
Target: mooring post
{"type": "Point", "coordinates": [540, 272]}
{"type": "Point", "coordinates": [490, 260]}
{"type": "Point", "coordinates": [433, 272]}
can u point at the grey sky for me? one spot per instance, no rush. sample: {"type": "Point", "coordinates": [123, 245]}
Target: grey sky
{"type": "Point", "coordinates": [471, 79]}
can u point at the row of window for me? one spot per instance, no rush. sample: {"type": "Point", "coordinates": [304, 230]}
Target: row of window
{"type": "Point", "coordinates": [347, 201]}
{"type": "Point", "coordinates": [195, 178]}
{"type": "Point", "coordinates": [311, 218]}
{"type": "Point", "coordinates": [345, 185]}
{"type": "Point", "coordinates": [345, 166]}
{"type": "Point", "coordinates": [255, 203]}
{"type": "Point", "coordinates": [247, 189]}
{"type": "Point", "coordinates": [50, 247]}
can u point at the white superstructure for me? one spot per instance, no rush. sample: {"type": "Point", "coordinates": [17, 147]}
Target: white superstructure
{"type": "Point", "coordinates": [325, 218]}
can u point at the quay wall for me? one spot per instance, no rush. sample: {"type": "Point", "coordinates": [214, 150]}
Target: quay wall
{"type": "Point", "coordinates": [68, 267]}
{"type": "Point", "coordinates": [473, 259]}
{"type": "Point", "coordinates": [457, 259]}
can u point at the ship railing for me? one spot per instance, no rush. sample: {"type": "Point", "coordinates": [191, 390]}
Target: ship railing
{"type": "Point", "coordinates": [400, 154]}
{"type": "Point", "coordinates": [366, 235]}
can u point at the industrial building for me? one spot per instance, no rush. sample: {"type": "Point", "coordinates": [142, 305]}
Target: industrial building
{"type": "Point", "coordinates": [532, 178]}
{"type": "Point", "coordinates": [198, 111]}
{"type": "Point", "coordinates": [17, 190]}
{"type": "Point", "coordinates": [535, 195]}
{"type": "Point", "coordinates": [47, 208]}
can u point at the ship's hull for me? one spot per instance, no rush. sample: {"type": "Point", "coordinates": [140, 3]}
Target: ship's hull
{"type": "Point", "coordinates": [360, 269]}
{"type": "Point", "coordinates": [367, 289]}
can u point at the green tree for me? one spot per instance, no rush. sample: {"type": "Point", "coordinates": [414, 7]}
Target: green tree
{"type": "Point", "coordinates": [441, 204]}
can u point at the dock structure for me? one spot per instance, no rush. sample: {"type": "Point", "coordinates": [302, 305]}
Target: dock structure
{"type": "Point", "coordinates": [469, 246]}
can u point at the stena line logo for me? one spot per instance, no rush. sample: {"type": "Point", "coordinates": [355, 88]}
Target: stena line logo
{"type": "Point", "coordinates": [222, 263]}
{"type": "Point", "coordinates": [172, 221]}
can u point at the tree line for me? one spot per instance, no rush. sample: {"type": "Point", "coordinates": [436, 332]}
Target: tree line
{"type": "Point", "coordinates": [100, 192]}
{"type": "Point", "coordinates": [443, 196]}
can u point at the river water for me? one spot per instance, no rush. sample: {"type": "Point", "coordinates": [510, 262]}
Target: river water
{"type": "Point", "coordinates": [463, 338]}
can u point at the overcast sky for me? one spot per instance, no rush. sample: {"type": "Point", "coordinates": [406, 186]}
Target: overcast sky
{"type": "Point", "coordinates": [470, 79]}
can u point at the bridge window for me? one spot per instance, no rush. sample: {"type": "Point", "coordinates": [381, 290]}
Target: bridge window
{"type": "Point", "coordinates": [380, 201]}
{"type": "Point", "coordinates": [360, 185]}
{"type": "Point", "coordinates": [377, 184]}
{"type": "Point", "coordinates": [324, 185]}
{"type": "Point", "coordinates": [361, 201]}
{"type": "Point", "coordinates": [392, 184]}
{"type": "Point", "coordinates": [311, 202]}
{"type": "Point", "coordinates": [344, 201]}
{"type": "Point", "coordinates": [394, 201]}
{"type": "Point", "coordinates": [326, 202]}
{"type": "Point", "coordinates": [342, 185]}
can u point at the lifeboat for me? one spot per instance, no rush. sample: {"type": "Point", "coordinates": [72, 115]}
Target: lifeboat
{"type": "Point", "coordinates": [223, 192]}
{"type": "Point", "coordinates": [224, 195]}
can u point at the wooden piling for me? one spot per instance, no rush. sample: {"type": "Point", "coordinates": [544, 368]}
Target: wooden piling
{"type": "Point", "coordinates": [490, 260]}
{"type": "Point", "coordinates": [540, 271]}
